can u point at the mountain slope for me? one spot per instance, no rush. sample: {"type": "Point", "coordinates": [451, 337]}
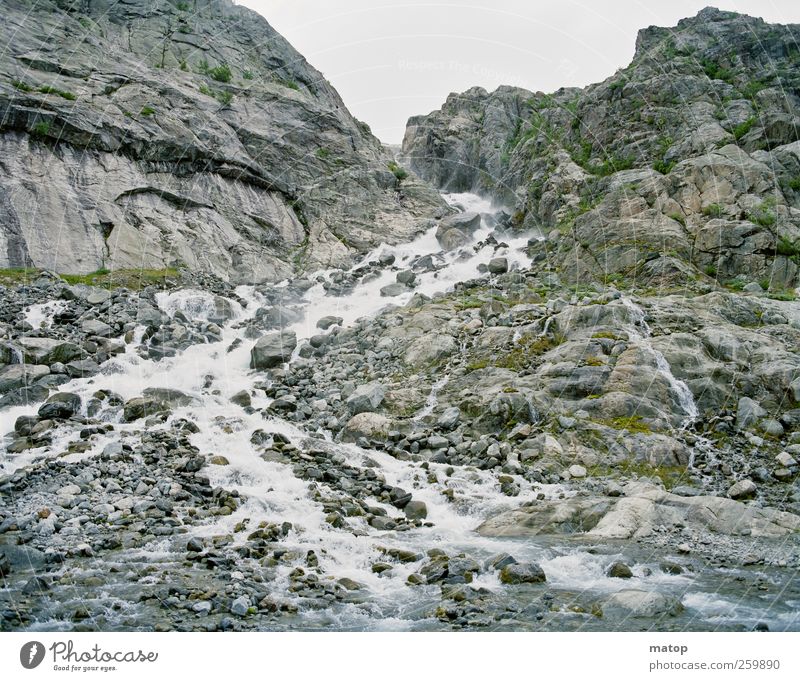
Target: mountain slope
{"type": "Point", "coordinates": [682, 167]}
{"type": "Point", "coordinates": [151, 133]}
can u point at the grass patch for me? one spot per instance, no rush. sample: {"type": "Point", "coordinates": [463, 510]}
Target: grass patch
{"type": "Point", "coordinates": [41, 129]}
{"type": "Point", "coordinates": [633, 424]}
{"type": "Point", "coordinates": [712, 210]}
{"type": "Point", "coordinates": [221, 73]}
{"type": "Point", "coordinates": [787, 247]}
{"type": "Point", "coordinates": [20, 85]}
{"type": "Point", "coordinates": [132, 279]}
{"type": "Point", "coordinates": [50, 90]}
{"type": "Point", "coordinates": [763, 215]}
{"type": "Point", "coordinates": [147, 111]}
{"type": "Point", "coordinates": [16, 276]}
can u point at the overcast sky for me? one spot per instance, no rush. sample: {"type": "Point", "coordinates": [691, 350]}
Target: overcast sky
{"type": "Point", "coordinates": [391, 59]}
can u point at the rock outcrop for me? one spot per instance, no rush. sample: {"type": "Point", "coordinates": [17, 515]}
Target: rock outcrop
{"type": "Point", "coordinates": [684, 165]}
{"type": "Point", "coordinates": [150, 134]}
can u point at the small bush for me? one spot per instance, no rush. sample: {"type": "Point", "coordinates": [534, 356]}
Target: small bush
{"type": "Point", "coordinates": [678, 218]}
{"type": "Point", "coordinates": [323, 153]}
{"type": "Point", "coordinates": [221, 73]}
{"type": "Point", "coordinates": [41, 129]}
{"type": "Point", "coordinates": [663, 167]}
{"type": "Point", "coordinates": [712, 210]}
{"type": "Point", "coordinates": [147, 111]}
{"type": "Point", "coordinates": [224, 97]}
{"type": "Point", "coordinates": [743, 128]}
{"type": "Point", "coordinates": [291, 84]}
{"type": "Point", "coordinates": [762, 215]}
{"type": "Point", "coordinates": [710, 270]}
{"type": "Point", "coordinates": [399, 172]}
{"type": "Point", "coordinates": [794, 183]}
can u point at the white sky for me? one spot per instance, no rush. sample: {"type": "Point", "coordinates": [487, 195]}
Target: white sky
{"type": "Point", "coordinates": [391, 59]}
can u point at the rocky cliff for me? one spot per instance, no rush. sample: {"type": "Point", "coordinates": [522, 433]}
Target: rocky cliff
{"type": "Point", "coordinates": [150, 133]}
{"type": "Point", "coordinates": [682, 167]}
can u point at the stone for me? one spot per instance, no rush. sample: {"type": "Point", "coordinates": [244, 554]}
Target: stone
{"type": "Point", "coordinates": [430, 349]}
{"type": "Point", "coordinates": [272, 350]}
{"type": "Point", "coordinates": [639, 603]}
{"type": "Point", "coordinates": [60, 406]}
{"type": "Point", "coordinates": [48, 350]}
{"type": "Point", "coordinates": [619, 570]}
{"type": "Point", "coordinates": [498, 265]}
{"type": "Point", "coordinates": [366, 424]}
{"type": "Point", "coordinates": [240, 606]}
{"type": "Point", "coordinates": [577, 471]}
{"type": "Point", "coordinates": [522, 573]}
{"type": "Point", "coordinates": [784, 459]}
{"type": "Point", "coordinates": [195, 545]}
{"type": "Point", "coordinates": [367, 397]}
{"type": "Point", "coordinates": [392, 290]}
{"type": "Point", "coordinates": [406, 277]}
{"type": "Point", "coordinates": [242, 398]}
{"type": "Point", "coordinates": [328, 321]}
{"type": "Point", "coordinates": [449, 418]}
{"type": "Point", "coordinates": [141, 407]}
{"type": "Point", "coordinates": [19, 375]}
{"type": "Point", "coordinates": [416, 510]}
{"type": "Point", "coordinates": [743, 489]}
{"type": "Point", "coordinates": [94, 327]}
{"type": "Point", "coordinates": [748, 413]}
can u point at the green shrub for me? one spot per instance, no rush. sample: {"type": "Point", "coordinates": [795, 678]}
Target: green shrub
{"type": "Point", "coordinates": [147, 111]}
{"type": "Point", "coordinates": [399, 172]}
{"type": "Point", "coordinates": [678, 218]}
{"type": "Point", "coordinates": [712, 210]}
{"type": "Point", "coordinates": [224, 97]}
{"type": "Point", "coordinates": [41, 129]}
{"type": "Point", "coordinates": [787, 247]}
{"type": "Point", "coordinates": [716, 72]}
{"type": "Point", "coordinates": [291, 84]}
{"type": "Point", "coordinates": [663, 166]}
{"type": "Point", "coordinates": [204, 89]}
{"type": "Point", "coordinates": [743, 128]}
{"type": "Point", "coordinates": [763, 215]}
{"type": "Point", "coordinates": [221, 73]}
{"type": "Point", "coordinates": [794, 183]}
{"type": "Point", "coordinates": [710, 270]}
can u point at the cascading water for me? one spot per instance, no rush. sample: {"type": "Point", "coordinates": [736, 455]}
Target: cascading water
{"type": "Point", "coordinates": [458, 499]}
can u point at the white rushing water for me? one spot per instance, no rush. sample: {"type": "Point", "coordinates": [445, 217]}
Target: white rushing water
{"type": "Point", "coordinates": [211, 373]}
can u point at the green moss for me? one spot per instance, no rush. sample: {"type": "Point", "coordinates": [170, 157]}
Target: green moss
{"type": "Point", "coordinates": [633, 424]}
{"type": "Point", "coordinates": [605, 334]}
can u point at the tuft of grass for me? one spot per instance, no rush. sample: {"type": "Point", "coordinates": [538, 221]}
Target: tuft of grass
{"type": "Point", "coordinates": [763, 215]}
{"type": "Point", "coordinates": [20, 85]}
{"type": "Point", "coordinates": [787, 247]}
{"type": "Point", "coordinates": [710, 270]}
{"type": "Point", "coordinates": [288, 82]}
{"type": "Point", "coordinates": [16, 276]}
{"type": "Point", "coordinates": [50, 90]}
{"type": "Point", "coordinates": [147, 111]}
{"type": "Point", "coordinates": [678, 218]}
{"type": "Point", "coordinates": [248, 75]}
{"type": "Point", "coordinates": [712, 210]}
{"type": "Point", "coordinates": [41, 129]}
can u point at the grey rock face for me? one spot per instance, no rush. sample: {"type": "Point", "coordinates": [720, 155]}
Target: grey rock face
{"type": "Point", "coordinates": [272, 350]}
{"type": "Point", "coordinates": [642, 144]}
{"type": "Point", "coordinates": [183, 137]}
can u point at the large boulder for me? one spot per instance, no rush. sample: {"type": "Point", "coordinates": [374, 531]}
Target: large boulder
{"type": "Point", "coordinates": [19, 375]}
{"type": "Point", "coordinates": [638, 603]}
{"type": "Point", "coordinates": [49, 350]}
{"type": "Point", "coordinates": [366, 397]}
{"type": "Point", "coordinates": [60, 406]}
{"type": "Point", "coordinates": [429, 349]}
{"type": "Point", "coordinates": [457, 230]}
{"type": "Point", "coordinates": [273, 349]}
{"type": "Point", "coordinates": [366, 424]}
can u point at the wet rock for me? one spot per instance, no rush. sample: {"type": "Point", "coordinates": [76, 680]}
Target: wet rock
{"type": "Point", "coordinates": [19, 375]}
{"type": "Point", "coordinates": [94, 327]}
{"type": "Point", "coordinates": [328, 321]}
{"type": "Point", "coordinates": [240, 606]}
{"type": "Point", "coordinates": [522, 573]}
{"type": "Point", "coordinates": [498, 265]}
{"type": "Point", "coordinates": [272, 350]}
{"type": "Point", "coordinates": [392, 290]}
{"type": "Point", "coordinates": [416, 510]}
{"type": "Point", "coordinates": [619, 570]}
{"type": "Point", "coordinates": [60, 406]}
{"type": "Point", "coordinates": [141, 407]}
{"type": "Point", "coordinates": [748, 413]}
{"type": "Point", "coordinates": [449, 418]}
{"type": "Point", "coordinates": [406, 277]}
{"type": "Point", "coordinates": [637, 603]}
{"type": "Point", "coordinates": [242, 398]}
